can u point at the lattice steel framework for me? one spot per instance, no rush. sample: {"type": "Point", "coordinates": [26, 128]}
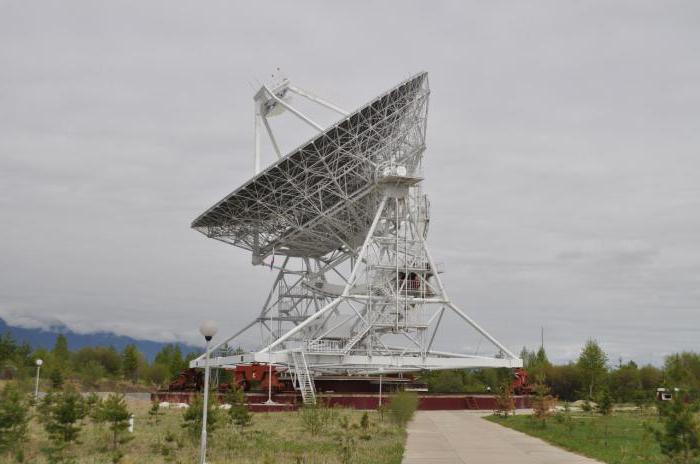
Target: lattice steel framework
{"type": "Point", "coordinates": [357, 290]}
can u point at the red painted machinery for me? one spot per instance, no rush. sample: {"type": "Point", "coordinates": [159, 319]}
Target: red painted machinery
{"type": "Point", "coordinates": [257, 377]}
{"type": "Point", "coordinates": [250, 377]}
{"type": "Point", "coordinates": [519, 384]}
{"type": "Point", "coordinates": [188, 380]}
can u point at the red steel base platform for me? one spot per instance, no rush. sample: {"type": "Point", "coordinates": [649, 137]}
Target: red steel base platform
{"type": "Point", "coordinates": [291, 401]}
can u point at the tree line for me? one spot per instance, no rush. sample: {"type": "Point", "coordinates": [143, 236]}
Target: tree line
{"type": "Point", "coordinates": [589, 377]}
{"type": "Point", "coordinates": [90, 366]}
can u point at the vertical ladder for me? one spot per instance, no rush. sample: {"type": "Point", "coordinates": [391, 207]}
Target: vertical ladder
{"type": "Point", "coordinates": [304, 382]}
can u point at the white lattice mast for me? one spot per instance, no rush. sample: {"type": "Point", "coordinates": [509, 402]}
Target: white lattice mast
{"type": "Point", "coordinates": [357, 290]}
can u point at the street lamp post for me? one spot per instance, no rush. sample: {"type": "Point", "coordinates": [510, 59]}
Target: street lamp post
{"type": "Point", "coordinates": [208, 330]}
{"type": "Point", "coordinates": [269, 382]}
{"type": "Point", "coordinates": [38, 363]}
{"type": "Point", "coordinates": [381, 371]}
{"type": "Point", "coordinates": [269, 373]}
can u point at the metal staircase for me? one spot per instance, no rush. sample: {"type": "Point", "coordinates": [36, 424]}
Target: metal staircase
{"type": "Point", "coordinates": [355, 339]}
{"type": "Point", "coordinates": [303, 380]}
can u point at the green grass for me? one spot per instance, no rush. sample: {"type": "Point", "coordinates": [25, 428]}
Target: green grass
{"type": "Point", "coordinates": [621, 438]}
{"type": "Point", "coordinates": [272, 438]}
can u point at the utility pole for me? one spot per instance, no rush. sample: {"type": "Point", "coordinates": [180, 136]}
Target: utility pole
{"type": "Point", "coordinates": [542, 337]}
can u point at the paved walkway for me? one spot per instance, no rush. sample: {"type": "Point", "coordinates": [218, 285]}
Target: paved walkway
{"type": "Point", "coordinates": [442, 437]}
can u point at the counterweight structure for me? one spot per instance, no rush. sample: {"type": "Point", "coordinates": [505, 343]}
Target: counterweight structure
{"type": "Point", "coordinates": [344, 222]}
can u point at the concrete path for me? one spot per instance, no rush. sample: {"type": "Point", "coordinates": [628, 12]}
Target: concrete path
{"type": "Point", "coordinates": [442, 437]}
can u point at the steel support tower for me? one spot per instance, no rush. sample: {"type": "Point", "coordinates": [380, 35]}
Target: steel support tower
{"type": "Point", "coordinates": [344, 222]}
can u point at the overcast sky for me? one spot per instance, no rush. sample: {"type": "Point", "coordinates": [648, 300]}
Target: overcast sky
{"type": "Point", "coordinates": [563, 159]}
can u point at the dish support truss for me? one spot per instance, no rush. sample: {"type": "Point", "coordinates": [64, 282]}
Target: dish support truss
{"type": "Point", "coordinates": [374, 303]}
{"type": "Point", "coordinates": [393, 291]}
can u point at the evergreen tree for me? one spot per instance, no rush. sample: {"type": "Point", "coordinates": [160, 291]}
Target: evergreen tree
{"type": "Point", "coordinates": [65, 413]}
{"type": "Point", "coordinates": [114, 412]}
{"type": "Point", "coordinates": [592, 362]}
{"type": "Point", "coordinates": [177, 363]}
{"type": "Point", "coordinates": [44, 407]}
{"type": "Point", "coordinates": [605, 404]}
{"type": "Point", "coordinates": [192, 417]}
{"type": "Point", "coordinates": [542, 402]}
{"type": "Point", "coordinates": [92, 406]}
{"type": "Point", "coordinates": [680, 437]}
{"type": "Point", "coordinates": [60, 353]}
{"type": "Point", "coordinates": [56, 377]}
{"type": "Point", "coordinates": [191, 356]}
{"type": "Point", "coordinates": [682, 370]}
{"type": "Point", "coordinates": [8, 346]}
{"type": "Point", "coordinates": [8, 349]}
{"type": "Point", "coordinates": [238, 414]}
{"type": "Point", "coordinates": [154, 412]}
{"type": "Point", "coordinates": [130, 362]}
{"type": "Point", "coordinates": [15, 359]}
{"type": "Point", "coordinates": [504, 400]}
{"type": "Point", "coordinates": [14, 419]}
{"type": "Point", "coordinates": [157, 374]}
{"type": "Point", "coordinates": [536, 362]}
{"type": "Point", "coordinates": [650, 377]}
{"type": "Point", "coordinates": [109, 358]}
{"type": "Point", "coordinates": [525, 355]}
{"type": "Point", "coordinates": [625, 383]}
{"type": "Point", "coordinates": [539, 364]}
{"type": "Point", "coordinates": [170, 356]}
{"type": "Point", "coordinates": [91, 373]}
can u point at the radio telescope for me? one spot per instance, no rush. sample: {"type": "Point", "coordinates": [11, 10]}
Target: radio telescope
{"type": "Point", "coordinates": [343, 221]}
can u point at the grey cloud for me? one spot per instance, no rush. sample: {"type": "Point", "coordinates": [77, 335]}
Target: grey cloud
{"type": "Point", "coordinates": [562, 158]}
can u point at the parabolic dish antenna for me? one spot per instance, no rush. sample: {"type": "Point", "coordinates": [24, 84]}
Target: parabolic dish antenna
{"type": "Point", "coordinates": [356, 291]}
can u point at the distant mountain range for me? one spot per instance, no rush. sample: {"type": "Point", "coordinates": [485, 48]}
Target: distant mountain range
{"type": "Point", "coordinates": [45, 338]}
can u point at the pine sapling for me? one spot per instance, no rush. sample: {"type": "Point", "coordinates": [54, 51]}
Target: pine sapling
{"type": "Point", "coordinates": [155, 412]}
{"type": "Point", "coordinates": [679, 438]}
{"type": "Point", "coordinates": [115, 413]}
{"type": "Point", "coordinates": [14, 419]}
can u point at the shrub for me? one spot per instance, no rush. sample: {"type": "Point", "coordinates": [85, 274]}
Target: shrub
{"type": "Point", "coordinates": [381, 410]}
{"type": "Point", "coordinates": [402, 407]}
{"type": "Point", "coordinates": [586, 406]}
{"type": "Point", "coordinates": [346, 442]}
{"type": "Point", "coordinates": [450, 381]}
{"type": "Point", "coordinates": [364, 422]}
{"type": "Point", "coordinates": [316, 417]}
{"type": "Point", "coordinates": [311, 418]}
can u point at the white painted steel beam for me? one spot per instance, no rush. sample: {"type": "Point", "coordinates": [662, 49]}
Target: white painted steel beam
{"type": "Point", "coordinates": [358, 289]}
